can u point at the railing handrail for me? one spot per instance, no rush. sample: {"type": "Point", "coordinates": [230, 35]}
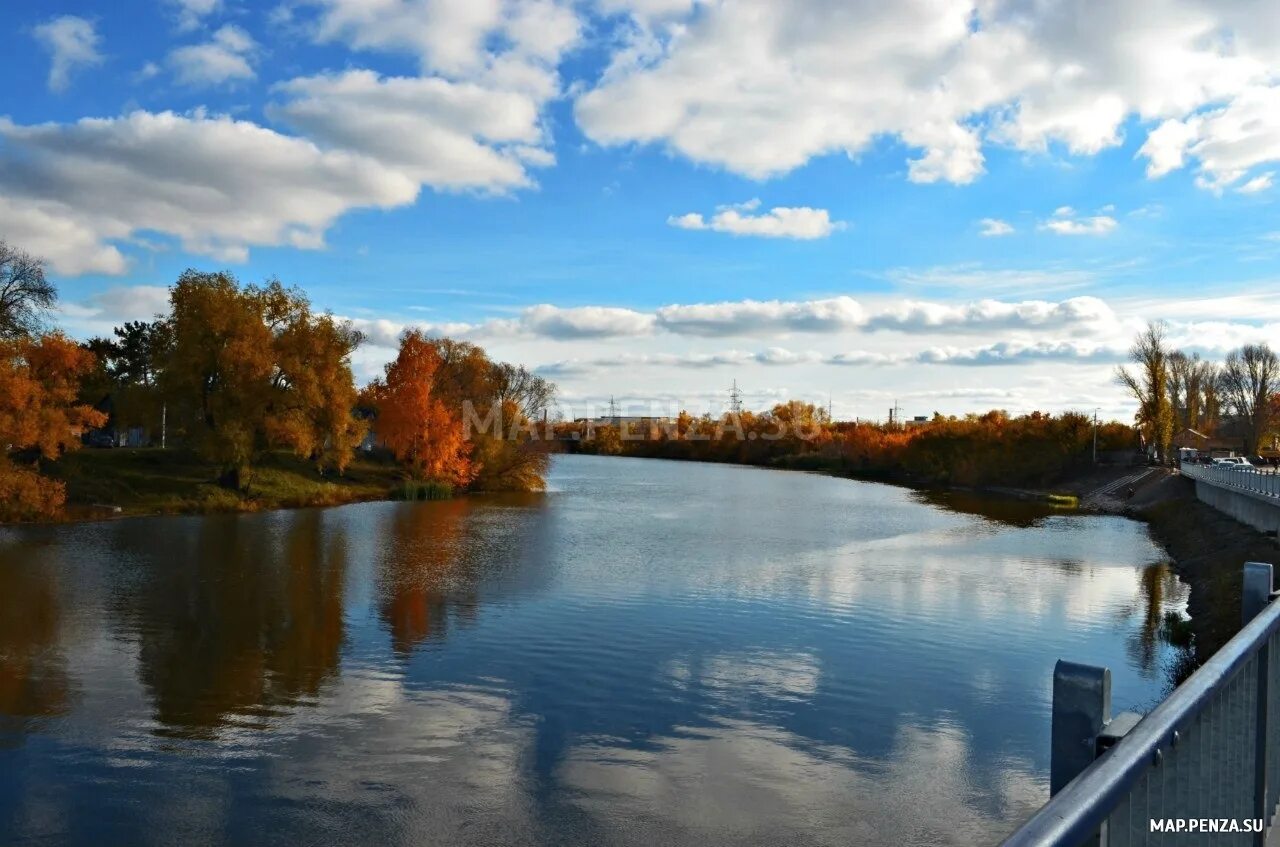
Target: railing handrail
{"type": "Point", "coordinates": [1257, 480]}
{"type": "Point", "coordinates": [1077, 811]}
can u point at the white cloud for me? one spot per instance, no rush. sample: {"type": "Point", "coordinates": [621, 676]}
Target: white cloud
{"type": "Point", "coordinates": [862, 358]}
{"type": "Point", "coordinates": [446, 134]}
{"type": "Point", "coordinates": [1065, 222]}
{"type": "Point", "coordinates": [191, 13]}
{"type": "Point", "coordinates": [1015, 353]}
{"type": "Point", "coordinates": [753, 317]}
{"type": "Point", "coordinates": [1078, 316]}
{"type": "Point", "coordinates": [801, 222]}
{"type": "Point", "coordinates": [71, 245]}
{"type": "Point", "coordinates": [584, 322]}
{"type": "Point", "coordinates": [760, 87]}
{"type": "Point", "coordinates": [995, 227]}
{"type": "Point", "coordinates": [1259, 183]}
{"type": "Point", "coordinates": [72, 43]}
{"type": "Point", "coordinates": [226, 57]}
{"type": "Point", "coordinates": [101, 312]}
{"type": "Point", "coordinates": [218, 185]}
{"type": "Point", "coordinates": [1082, 314]}
{"type": "Point", "coordinates": [1227, 141]}
{"type": "Point", "coordinates": [506, 43]}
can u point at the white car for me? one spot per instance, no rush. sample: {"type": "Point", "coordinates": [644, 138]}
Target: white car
{"type": "Point", "coordinates": [1237, 461]}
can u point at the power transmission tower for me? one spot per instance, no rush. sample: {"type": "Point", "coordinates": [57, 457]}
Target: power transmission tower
{"type": "Point", "coordinates": [613, 409]}
{"type": "Point", "coordinates": [735, 399]}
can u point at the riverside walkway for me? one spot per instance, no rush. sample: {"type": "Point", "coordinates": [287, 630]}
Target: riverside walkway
{"type": "Point", "coordinates": [1250, 495]}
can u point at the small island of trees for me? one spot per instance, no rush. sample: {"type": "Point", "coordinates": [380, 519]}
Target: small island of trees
{"type": "Point", "coordinates": [250, 393]}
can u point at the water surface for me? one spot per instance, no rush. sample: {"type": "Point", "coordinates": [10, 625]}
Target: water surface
{"type": "Point", "coordinates": [651, 653]}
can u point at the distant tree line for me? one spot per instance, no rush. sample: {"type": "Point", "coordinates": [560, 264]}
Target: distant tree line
{"type": "Point", "coordinates": [988, 449]}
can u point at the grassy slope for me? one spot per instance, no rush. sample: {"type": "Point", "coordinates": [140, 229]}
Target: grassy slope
{"type": "Point", "coordinates": [151, 481]}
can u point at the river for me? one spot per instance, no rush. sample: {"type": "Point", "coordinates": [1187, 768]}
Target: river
{"type": "Point", "coordinates": [650, 653]}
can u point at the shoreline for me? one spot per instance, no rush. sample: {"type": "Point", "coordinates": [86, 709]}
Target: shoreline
{"type": "Point", "coordinates": [148, 482]}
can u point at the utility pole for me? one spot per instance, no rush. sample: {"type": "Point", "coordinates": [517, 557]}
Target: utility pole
{"type": "Point", "coordinates": [735, 399]}
{"type": "Point", "coordinates": [164, 423]}
{"type": "Point", "coordinates": [1095, 435]}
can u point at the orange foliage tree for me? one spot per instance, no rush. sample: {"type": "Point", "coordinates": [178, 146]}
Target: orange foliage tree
{"type": "Point", "coordinates": [414, 422]}
{"type": "Point", "coordinates": [40, 419]}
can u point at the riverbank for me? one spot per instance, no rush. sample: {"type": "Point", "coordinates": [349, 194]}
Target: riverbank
{"type": "Point", "coordinates": [1208, 550]}
{"type": "Point", "coordinates": [149, 481]}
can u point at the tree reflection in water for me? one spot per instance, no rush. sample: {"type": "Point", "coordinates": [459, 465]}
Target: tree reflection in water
{"type": "Point", "coordinates": [435, 555]}
{"type": "Point", "coordinates": [245, 620]}
{"type": "Point", "coordinates": [33, 676]}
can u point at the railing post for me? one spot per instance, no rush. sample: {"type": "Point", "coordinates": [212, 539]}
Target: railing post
{"type": "Point", "coordinates": [1081, 709]}
{"type": "Point", "coordinates": [1255, 594]}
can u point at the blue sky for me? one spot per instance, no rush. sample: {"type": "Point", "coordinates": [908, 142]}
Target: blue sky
{"type": "Point", "coordinates": [956, 205]}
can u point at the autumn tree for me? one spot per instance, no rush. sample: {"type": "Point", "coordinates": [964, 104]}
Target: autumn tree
{"type": "Point", "coordinates": [413, 419]}
{"type": "Point", "coordinates": [40, 419]}
{"type": "Point", "coordinates": [219, 369]}
{"type": "Point", "coordinates": [1193, 391]}
{"type": "Point", "coordinates": [1250, 378]}
{"type": "Point", "coordinates": [313, 390]}
{"type": "Point", "coordinates": [25, 294]}
{"type": "Point", "coordinates": [1149, 385]}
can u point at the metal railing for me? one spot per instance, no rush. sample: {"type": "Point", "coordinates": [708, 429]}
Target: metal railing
{"type": "Point", "coordinates": [1264, 481]}
{"type": "Point", "coordinates": [1209, 753]}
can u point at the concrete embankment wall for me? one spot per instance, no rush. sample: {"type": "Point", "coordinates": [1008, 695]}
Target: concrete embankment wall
{"type": "Point", "coordinates": [1257, 510]}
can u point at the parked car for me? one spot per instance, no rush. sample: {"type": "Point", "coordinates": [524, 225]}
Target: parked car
{"type": "Point", "coordinates": [1237, 461]}
{"type": "Point", "coordinates": [100, 439]}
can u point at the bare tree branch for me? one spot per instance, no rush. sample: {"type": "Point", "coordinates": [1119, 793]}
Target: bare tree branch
{"type": "Point", "coordinates": [25, 294]}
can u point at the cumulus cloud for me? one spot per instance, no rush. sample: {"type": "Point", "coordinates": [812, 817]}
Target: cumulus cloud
{"type": "Point", "coordinates": [1002, 353]}
{"type": "Point", "coordinates": [99, 313]}
{"type": "Point", "coordinates": [995, 227]}
{"type": "Point", "coordinates": [72, 44]}
{"type": "Point", "coordinates": [771, 356]}
{"type": "Point", "coordinates": [446, 134]}
{"type": "Point", "coordinates": [761, 88]}
{"type": "Point", "coordinates": [1084, 314]}
{"type": "Point", "coordinates": [753, 318]}
{"type": "Point", "coordinates": [217, 185]}
{"type": "Point", "coordinates": [1065, 221]}
{"type": "Point", "coordinates": [226, 57]}
{"type": "Point", "coordinates": [749, 317]}
{"type": "Point", "coordinates": [1015, 353]}
{"type": "Point", "coordinates": [1227, 141]}
{"type": "Point", "coordinates": [862, 358]}
{"type": "Point", "coordinates": [190, 14]}
{"type": "Point", "coordinates": [802, 222]}
{"type": "Point", "coordinates": [1259, 183]}
{"type": "Point", "coordinates": [507, 43]}
{"type": "Point", "coordinates": [584, 322]}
